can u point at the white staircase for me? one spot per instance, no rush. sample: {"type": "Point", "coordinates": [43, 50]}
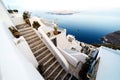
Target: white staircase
{"type": "Point", "coordinates": [49, 66]}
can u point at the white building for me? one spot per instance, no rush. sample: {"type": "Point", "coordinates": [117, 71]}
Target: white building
{"type": "Point", "coordinates": [57, 56]}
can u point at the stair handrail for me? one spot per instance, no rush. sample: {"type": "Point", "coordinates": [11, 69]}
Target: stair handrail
{"type": "Point", "coordinates": [53, 49]}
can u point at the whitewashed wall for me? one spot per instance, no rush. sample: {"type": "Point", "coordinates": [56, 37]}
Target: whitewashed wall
{"type": "Point", "coordinates": [13, 65]}
{"type": "Point", "coordinates": [62, 40]}
{"type": "Point", "coordinates": [22, 45]}
{"type": "Point", "coordinates": [17, 19]}
{"type": "Point", "coordinates": [4, 16]}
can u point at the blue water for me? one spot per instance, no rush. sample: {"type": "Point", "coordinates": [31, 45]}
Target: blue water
{"type": "Point", "coordinates": [87, 26]}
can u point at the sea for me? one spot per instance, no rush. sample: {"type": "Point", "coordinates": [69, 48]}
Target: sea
{"type": "Point", "coordinates": [87, 26]}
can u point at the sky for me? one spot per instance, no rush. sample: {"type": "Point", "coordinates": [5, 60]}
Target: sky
{"type": "Point", "coordinates": [62, 4]}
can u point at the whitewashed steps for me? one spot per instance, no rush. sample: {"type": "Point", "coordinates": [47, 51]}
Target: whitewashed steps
{"type": "Point", "coordinates": [41, 50]}
{"type": "Point", "coordinates": [60, 75]}
{"type": "Point", "coordinates": [25, 30]}
{"type": "Point", "coordinates": [51, 69]}
{"type": "Point", "coordinates": [36, 43]}
{"type": "Point", "coordinates": [21, 26]}
{"type": "Point", "coordinates": [37, 47]}
{"type": "Point", "coordinates": [30, 34]}
{"type": "Point", "coordinates": [33, 40]}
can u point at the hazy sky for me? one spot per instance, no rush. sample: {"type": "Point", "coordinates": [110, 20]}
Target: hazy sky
{"type": "Point", "coordinates": [63, 4]}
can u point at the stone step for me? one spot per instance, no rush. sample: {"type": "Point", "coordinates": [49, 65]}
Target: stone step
{"type": "Point", "coordinates": [40, 55]}
{"type": "Point", "coordinates": [52, 76]}
{"type": "Point", "coordinates": [39, 51]}
{"type": "Point", "coordinates": [50, 62]}
{"type": "Point", "coordinates": [29, 34]}
{"type": "Point", "coordinates": [51, 68]}
{"type": "Point", "coordinates": [60, 75]}
{"type": "Point", "coordinates": [46, 58]}
{"type": "Point", "coordinates": [20, 26]}
{"type": "Point", "coordinates": [38, 46]}
{"type": "Point", "coordinates": [41, 60]}
{"type": "Point", "coordinates": [34, 44]}
{"type": "Point", "coordinates": [31, 37]}
{"type": "Point", "coordinates": [25, 29]}
{"type": "Point", "coordinates": [53, 71]}
{"type": "Point", "coordinates": [26, 32]}
{"type": "Point", "coordinates": [33, 40]}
